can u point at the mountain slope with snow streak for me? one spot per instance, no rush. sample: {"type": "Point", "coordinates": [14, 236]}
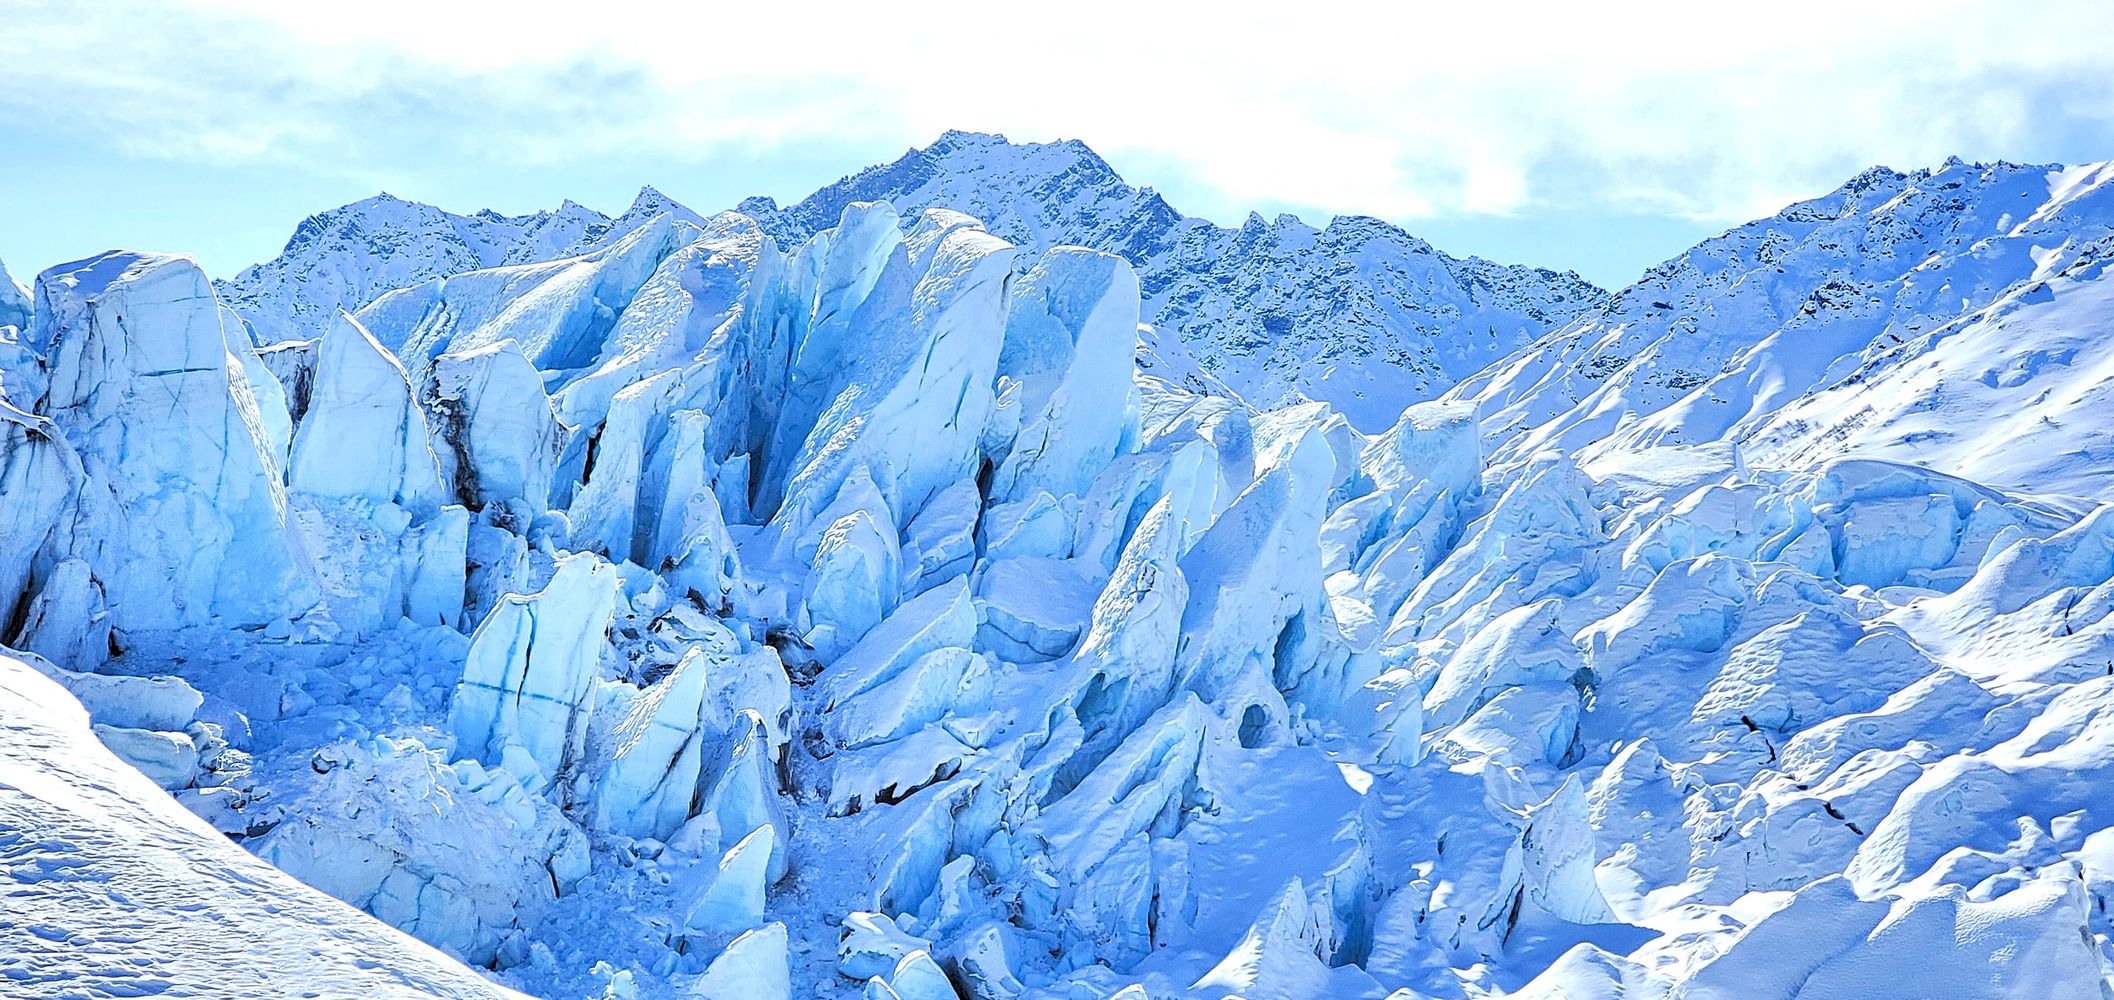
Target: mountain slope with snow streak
{"type": "Point", "coordinates": [1941, 317]}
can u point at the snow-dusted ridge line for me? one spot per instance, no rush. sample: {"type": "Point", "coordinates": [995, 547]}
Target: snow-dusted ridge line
{"type": "Point", "coordinates": [1943, 316]}
{"type": "Point", "coordinates": [1357, 313]}
{"type": "Point", "coordinates": [714, 614]}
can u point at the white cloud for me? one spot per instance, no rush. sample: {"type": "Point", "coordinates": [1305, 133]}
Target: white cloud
{"type": "Point", "coordinates": [1404, 110]}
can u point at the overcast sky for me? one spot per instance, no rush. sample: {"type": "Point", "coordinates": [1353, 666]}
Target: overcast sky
{"type": "Point", "coordinates": [1597, 137]}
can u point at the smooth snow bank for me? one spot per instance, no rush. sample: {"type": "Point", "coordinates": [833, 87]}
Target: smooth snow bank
{"type": "Point", "coordinates": [116, 890]}
{"type": "Point", "coordinates": [1827, 944]}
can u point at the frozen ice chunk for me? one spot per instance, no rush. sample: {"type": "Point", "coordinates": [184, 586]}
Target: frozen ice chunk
{"type": "Point", "coordinates": [364, 436]}
{"type": "Point", "coordinates": [946, 683]}
{"type": "Point", "coordinates": [1282, 953]}
{"type": "Point", "coordinates": [1254, 570]}
{"type": "Point", "coordinates": [1124, 793]}
{"type": "Point", "coordinates": [40, 479]}
{"type": "Point", "coordinates": [605, 508]}
{"type": "Point", "coordinates": [835, 273]}
{"type": "Point", "coordinates": [67, 622]}
{"type": "Point", "coordinates": [918, 977]}
{"type": "Point", "coordinates": [943, 537]}
{"type": "Point", "coordinates": [1536, 724]}
{"type": "Point", "coordinates": [941, 617]}
{"type": "Point", "coordinates": [161, 704]}
{"type": "Point", "coordinates": [1436, 443]}
{"type": "Point", "coordinates": [752, 968]}
{"type": "Point", "coordinates": [853, 584]}
{"type": "Point", "coordinates": [1813, 667]}
{"type": "Point", "coordinates": [493, 428]}
{"type": "Point", "coordinates": [1040, 525]}
{"type": "Point", "coordinates": [741, 795]}
{"type": "Point", "coordinates": [872, 944]}
{"type": "Point", "coordinates": [685, 535]}
{"type": "Point", "coordinates": [986, 958]}
{"type": "Point", "coordinates": [189, 524]}
{"type": "Point", "coordinates": [529, 676]}
{"type": "Point", "coordinates": [653, 757]}
{"type": "Point", "coordinates": [1526, 645]}
{"type": "Point", "coordinates": [1692, 606]}
{"type": "Point", "coordinates": [733, 901]}
{"type": "Point", "coordinates": [170, 759]}
{"type": "Point", "coordinates": [1070, 335]}
{"type": "Point", "coordinates": [1035, 608]}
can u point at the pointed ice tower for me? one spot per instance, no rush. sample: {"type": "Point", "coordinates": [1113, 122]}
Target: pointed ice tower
{"type": "Point", "coordinates": [183, 517]}
{"type": "Point", "coordinates": [364, 436]}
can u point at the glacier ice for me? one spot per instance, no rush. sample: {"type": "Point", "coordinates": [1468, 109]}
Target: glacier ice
{"type": "Point", "coordinates": [361, 398]}
{"type": "Point", "coordinates": [753, 967]}
{"type": "Point", "coordinates": [495, 435]}
{"type": "Point", "coordinates": [831, 603]}
{"type": "Point", "coordinates": [524, 700]}
{"type": "Point", "coordinates": [182, 512]}
{"type": "Point", "coordinates": [731, 901]}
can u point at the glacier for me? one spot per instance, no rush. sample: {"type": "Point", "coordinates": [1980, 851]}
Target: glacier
{"type": "Point", "coordinates": [858, 599]}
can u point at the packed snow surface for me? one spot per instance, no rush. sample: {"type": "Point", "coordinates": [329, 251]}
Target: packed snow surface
{"type": "Point", "coordinates": [113, 890]}
{"type": "Point", "coordinates": [858, 599]}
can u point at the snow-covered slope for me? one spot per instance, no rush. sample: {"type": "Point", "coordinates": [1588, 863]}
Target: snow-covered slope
{"type": "Point", "coordinates": [1949, 317]}
{"type": "Point", "coordinates": [114, 890]}
{"type": "Point", "coordinates": [709, 614]}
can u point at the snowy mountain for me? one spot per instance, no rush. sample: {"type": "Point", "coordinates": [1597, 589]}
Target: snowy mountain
{"type": "Point", "coordinates": [347, 257]}
{"type": "Point", "coordinates": [773, 604]}
{"type": "Point", "coordinates": [1951, 318]}
{"type": "Point", "coordinates": [1359, 313]}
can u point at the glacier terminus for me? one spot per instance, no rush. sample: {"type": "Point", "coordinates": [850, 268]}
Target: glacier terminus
{"type": "Point", "coordinates": [981, 581]}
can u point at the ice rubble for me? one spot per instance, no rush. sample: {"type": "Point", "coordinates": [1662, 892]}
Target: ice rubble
{"type": "Point", "coordinates": [704, 616]}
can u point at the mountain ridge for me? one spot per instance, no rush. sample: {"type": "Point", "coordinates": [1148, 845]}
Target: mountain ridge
{"type": "Point", "coordinates": [1239, 299]}
{"type": "Point", "coordinates": [1828, 296]}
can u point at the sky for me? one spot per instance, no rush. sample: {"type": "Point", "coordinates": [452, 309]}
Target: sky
{"type": "Point", "coordinates": [1600, 138]}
